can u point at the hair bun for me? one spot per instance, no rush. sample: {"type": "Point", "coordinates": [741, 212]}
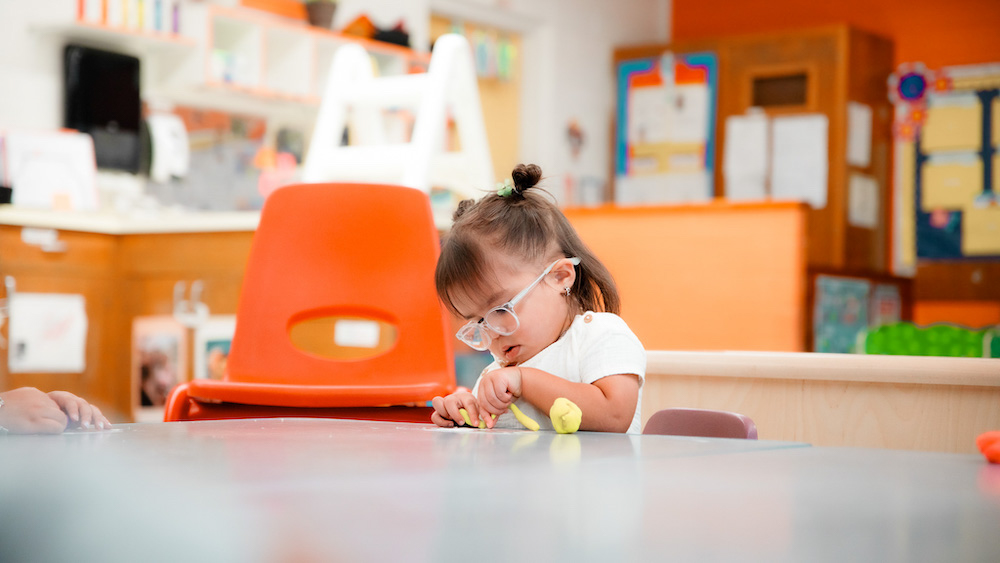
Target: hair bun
{"type": "Point", "coordinates": [463, 206]}
{"type": "Point", "coordinates": [525, 176]}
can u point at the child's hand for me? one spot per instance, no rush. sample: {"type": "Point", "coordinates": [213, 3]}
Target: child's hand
{"type": "Point", "coordinates": [498, 389]}
{"type": "Point", "coordinates": [446, 409]}
{"type": "Point", "coordinates": [29, 411]}
{"type": "Point", "coordinates": [81, 413]}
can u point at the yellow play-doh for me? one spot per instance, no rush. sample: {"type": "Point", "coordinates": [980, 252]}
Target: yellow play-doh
{"type": "Point", "coordinates": [468, 421]}
{"type": "Point", "coordinates": [565, 415]}
{"type": "Point", "coordinates": [524, 419]}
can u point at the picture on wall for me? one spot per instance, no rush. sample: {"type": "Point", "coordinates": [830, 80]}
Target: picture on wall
{"type": "Point", "coordinates": [665, 128]}
{"type": "Point", "coordinates": [212, 340]}
{"type": "Point", "coordinates": [159, 363]}
{"type": "Point", "coordinates": [947, 194]}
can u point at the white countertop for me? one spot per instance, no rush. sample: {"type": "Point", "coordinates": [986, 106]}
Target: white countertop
{"type": "Point", "coordinates": [140, 222]}
{"type": "Point", "coordinates": [330, 490]}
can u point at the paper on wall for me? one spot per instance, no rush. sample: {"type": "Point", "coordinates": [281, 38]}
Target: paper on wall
{"type": "Point", "coordinates": [48, 333]}
{"type": "Point", "coordinates": [859, 134]}
{"type": "Point", "coordinates": [647, 115]}
{"type": "Point", "coordinates": [862, 201]}
{"type": "Point", "coordinates": [745, 157]}
{"type": "Point", "coordinates": [52, 170]}
{"type": "Point", "coordinates": [687, 113]}
{"type": "Point", "coordinates": [800, 158]}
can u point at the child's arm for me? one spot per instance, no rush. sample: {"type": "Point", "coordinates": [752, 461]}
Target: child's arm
{"type": "Point", "coordinates": [608, 404]}
{"type": "Point", "coordinates": [446, 409]}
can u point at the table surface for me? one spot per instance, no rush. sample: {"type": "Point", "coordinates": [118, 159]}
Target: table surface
{"type": "Point", "coordinates": [319, 490]}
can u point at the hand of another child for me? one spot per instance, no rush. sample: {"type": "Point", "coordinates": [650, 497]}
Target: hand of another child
{"type": "Point", "coordinates": [27, 410]}
{"type": "Point", "coordinates": [498, 389]}
{"type": "Point", "coordinates": [446, 409]}
{"type": "Point", "coordinates": [81, 413]}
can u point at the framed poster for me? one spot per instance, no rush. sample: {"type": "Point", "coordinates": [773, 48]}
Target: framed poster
{"type": "Point", "coordinates": [947, 125]}
{"type": "Point", "coordinates": [212, 340]}
{"type": "Point", "coordinates": [840, 313]}
{"type": "Point", "coordinates": [665, 128]}
{"type": "Point", "coordinates": [159, 363]}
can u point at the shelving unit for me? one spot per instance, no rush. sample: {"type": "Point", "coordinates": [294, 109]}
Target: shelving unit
{"type": "Point", "coordinates": [229, 58]}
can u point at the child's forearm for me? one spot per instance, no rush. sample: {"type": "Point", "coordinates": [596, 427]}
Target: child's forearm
{"type": "Point", "coordinates": [608, 404]}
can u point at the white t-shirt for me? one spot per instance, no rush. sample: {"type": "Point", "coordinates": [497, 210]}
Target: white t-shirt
{"type": "Point", "coordinates": [596, 345]}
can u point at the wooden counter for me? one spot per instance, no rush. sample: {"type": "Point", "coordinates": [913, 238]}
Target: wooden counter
{"type": "Point", "coordinates": [898, 402]}
{"type": "Point", "coordinates": [124, 267]}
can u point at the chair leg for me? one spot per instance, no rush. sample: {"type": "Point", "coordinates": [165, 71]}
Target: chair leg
{"type": "Point", "coordinates": [178, 404]}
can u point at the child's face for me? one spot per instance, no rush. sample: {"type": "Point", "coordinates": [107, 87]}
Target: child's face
{"type": "Point", "coordinates": [543, 312]}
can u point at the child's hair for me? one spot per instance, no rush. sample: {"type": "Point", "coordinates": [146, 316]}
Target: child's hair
{"type": "Point", "coordinates": [524, 224]}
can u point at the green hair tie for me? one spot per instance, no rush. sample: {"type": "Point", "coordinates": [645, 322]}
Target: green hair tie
{"type": "Point", "coordinates": [505, 188]}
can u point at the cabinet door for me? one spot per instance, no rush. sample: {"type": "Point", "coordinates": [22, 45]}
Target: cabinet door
{"type": "Point", "coordinates": [155, 267]}
{"type": "Point", "coordinates": [80, 264]}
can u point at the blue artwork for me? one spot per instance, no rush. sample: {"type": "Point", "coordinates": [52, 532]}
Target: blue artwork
{"type": "Point", "coordinates": [840, 313]}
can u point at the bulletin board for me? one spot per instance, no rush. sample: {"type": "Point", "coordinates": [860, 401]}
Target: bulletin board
{"type": "Point", "coordinates": [665, 128]}
{"type": "Point", "coordinates": [947, 129]}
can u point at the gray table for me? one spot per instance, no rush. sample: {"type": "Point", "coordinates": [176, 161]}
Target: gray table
{"type": "Point", "coordinates": [319, 490]}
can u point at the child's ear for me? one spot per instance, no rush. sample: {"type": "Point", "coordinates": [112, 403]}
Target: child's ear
{"type": "Point", "coordinates": [565, 274]}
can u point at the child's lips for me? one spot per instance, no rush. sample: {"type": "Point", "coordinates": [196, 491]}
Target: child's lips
{"type": "Point", "coordinates": [510, 352]}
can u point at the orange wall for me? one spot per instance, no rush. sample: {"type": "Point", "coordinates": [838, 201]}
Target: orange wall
{"type": "Point", "coordinates": [935, 32]}
{"type": "Point", "coordinates": [716, 276]}
{"type": "Point", "coordinates": [973, 314]}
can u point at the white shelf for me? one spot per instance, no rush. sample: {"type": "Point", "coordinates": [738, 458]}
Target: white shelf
{"type": "Point", "coordinates": [134, 42]}
{"type": "Point", "coordinates": [165, 221]}
{"type": "Point", "coordinates": [228, 58]}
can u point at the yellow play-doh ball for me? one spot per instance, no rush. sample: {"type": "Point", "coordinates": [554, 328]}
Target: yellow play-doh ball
{"type": "Point", "coordinates": [565, 415]}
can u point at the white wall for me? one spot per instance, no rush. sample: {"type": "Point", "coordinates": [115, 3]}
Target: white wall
{"type": "Point", "coordinates": [567, 63]}
{"type": "Point", "coordinates": [30, 70]}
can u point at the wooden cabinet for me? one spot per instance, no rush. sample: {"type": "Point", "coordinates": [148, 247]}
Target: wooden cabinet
{"type": "Point", "coordinates": [84, 266]}
{"type": "Point", "coordinates": [120, 276]}
{"type": "Point", "coordinates": [812, 71]}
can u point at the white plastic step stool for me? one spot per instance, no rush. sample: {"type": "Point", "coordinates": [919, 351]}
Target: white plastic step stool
{"type": "Point", "coordinates": [447, 88]}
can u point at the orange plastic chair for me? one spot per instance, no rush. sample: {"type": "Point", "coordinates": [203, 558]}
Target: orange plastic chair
{"type": "Point", "coordinates": [701, 422]}
{"type": "Point", "coordinates": [338, 312]}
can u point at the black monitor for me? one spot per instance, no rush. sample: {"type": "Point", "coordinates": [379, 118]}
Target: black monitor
{"type": "Point", "coordinates": [102, 99]}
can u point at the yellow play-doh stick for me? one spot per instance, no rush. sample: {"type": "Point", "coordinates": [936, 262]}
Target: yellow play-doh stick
{"type": "Point", "coordinates": [524, 419]}
{"type": "Point", "coordinates": [468, 420]}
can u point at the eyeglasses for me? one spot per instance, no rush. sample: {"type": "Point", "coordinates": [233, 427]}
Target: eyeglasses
{"type": "Point", "coordinates": [501, 320]}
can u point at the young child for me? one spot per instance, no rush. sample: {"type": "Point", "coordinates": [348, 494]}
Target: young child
{"type": "Point", "coordinates": [546, 309]}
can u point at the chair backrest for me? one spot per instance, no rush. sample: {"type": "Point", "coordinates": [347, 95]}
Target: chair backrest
{"type": "Point", "coordinates": [701, 422]}
{"type": "Point", "coordinates": [339, 291]}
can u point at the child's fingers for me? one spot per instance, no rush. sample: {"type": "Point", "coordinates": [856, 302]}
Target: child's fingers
{"type": "Point", "coordinates": [495, 401]}
{"type": "Point", "coordinates": [440, 414]}
{"type": "Point", "coordinates": [453, 411]}
{"type": "Point", "coordinates": [475, 417]}
{"type": "Point", "coordinates": [436, 418]}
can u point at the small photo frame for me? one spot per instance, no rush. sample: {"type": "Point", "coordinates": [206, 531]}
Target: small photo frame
{"type": "Point", "coordinates": [212, 340]}
{"type": "Point", "coordinates": [159, 363]}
